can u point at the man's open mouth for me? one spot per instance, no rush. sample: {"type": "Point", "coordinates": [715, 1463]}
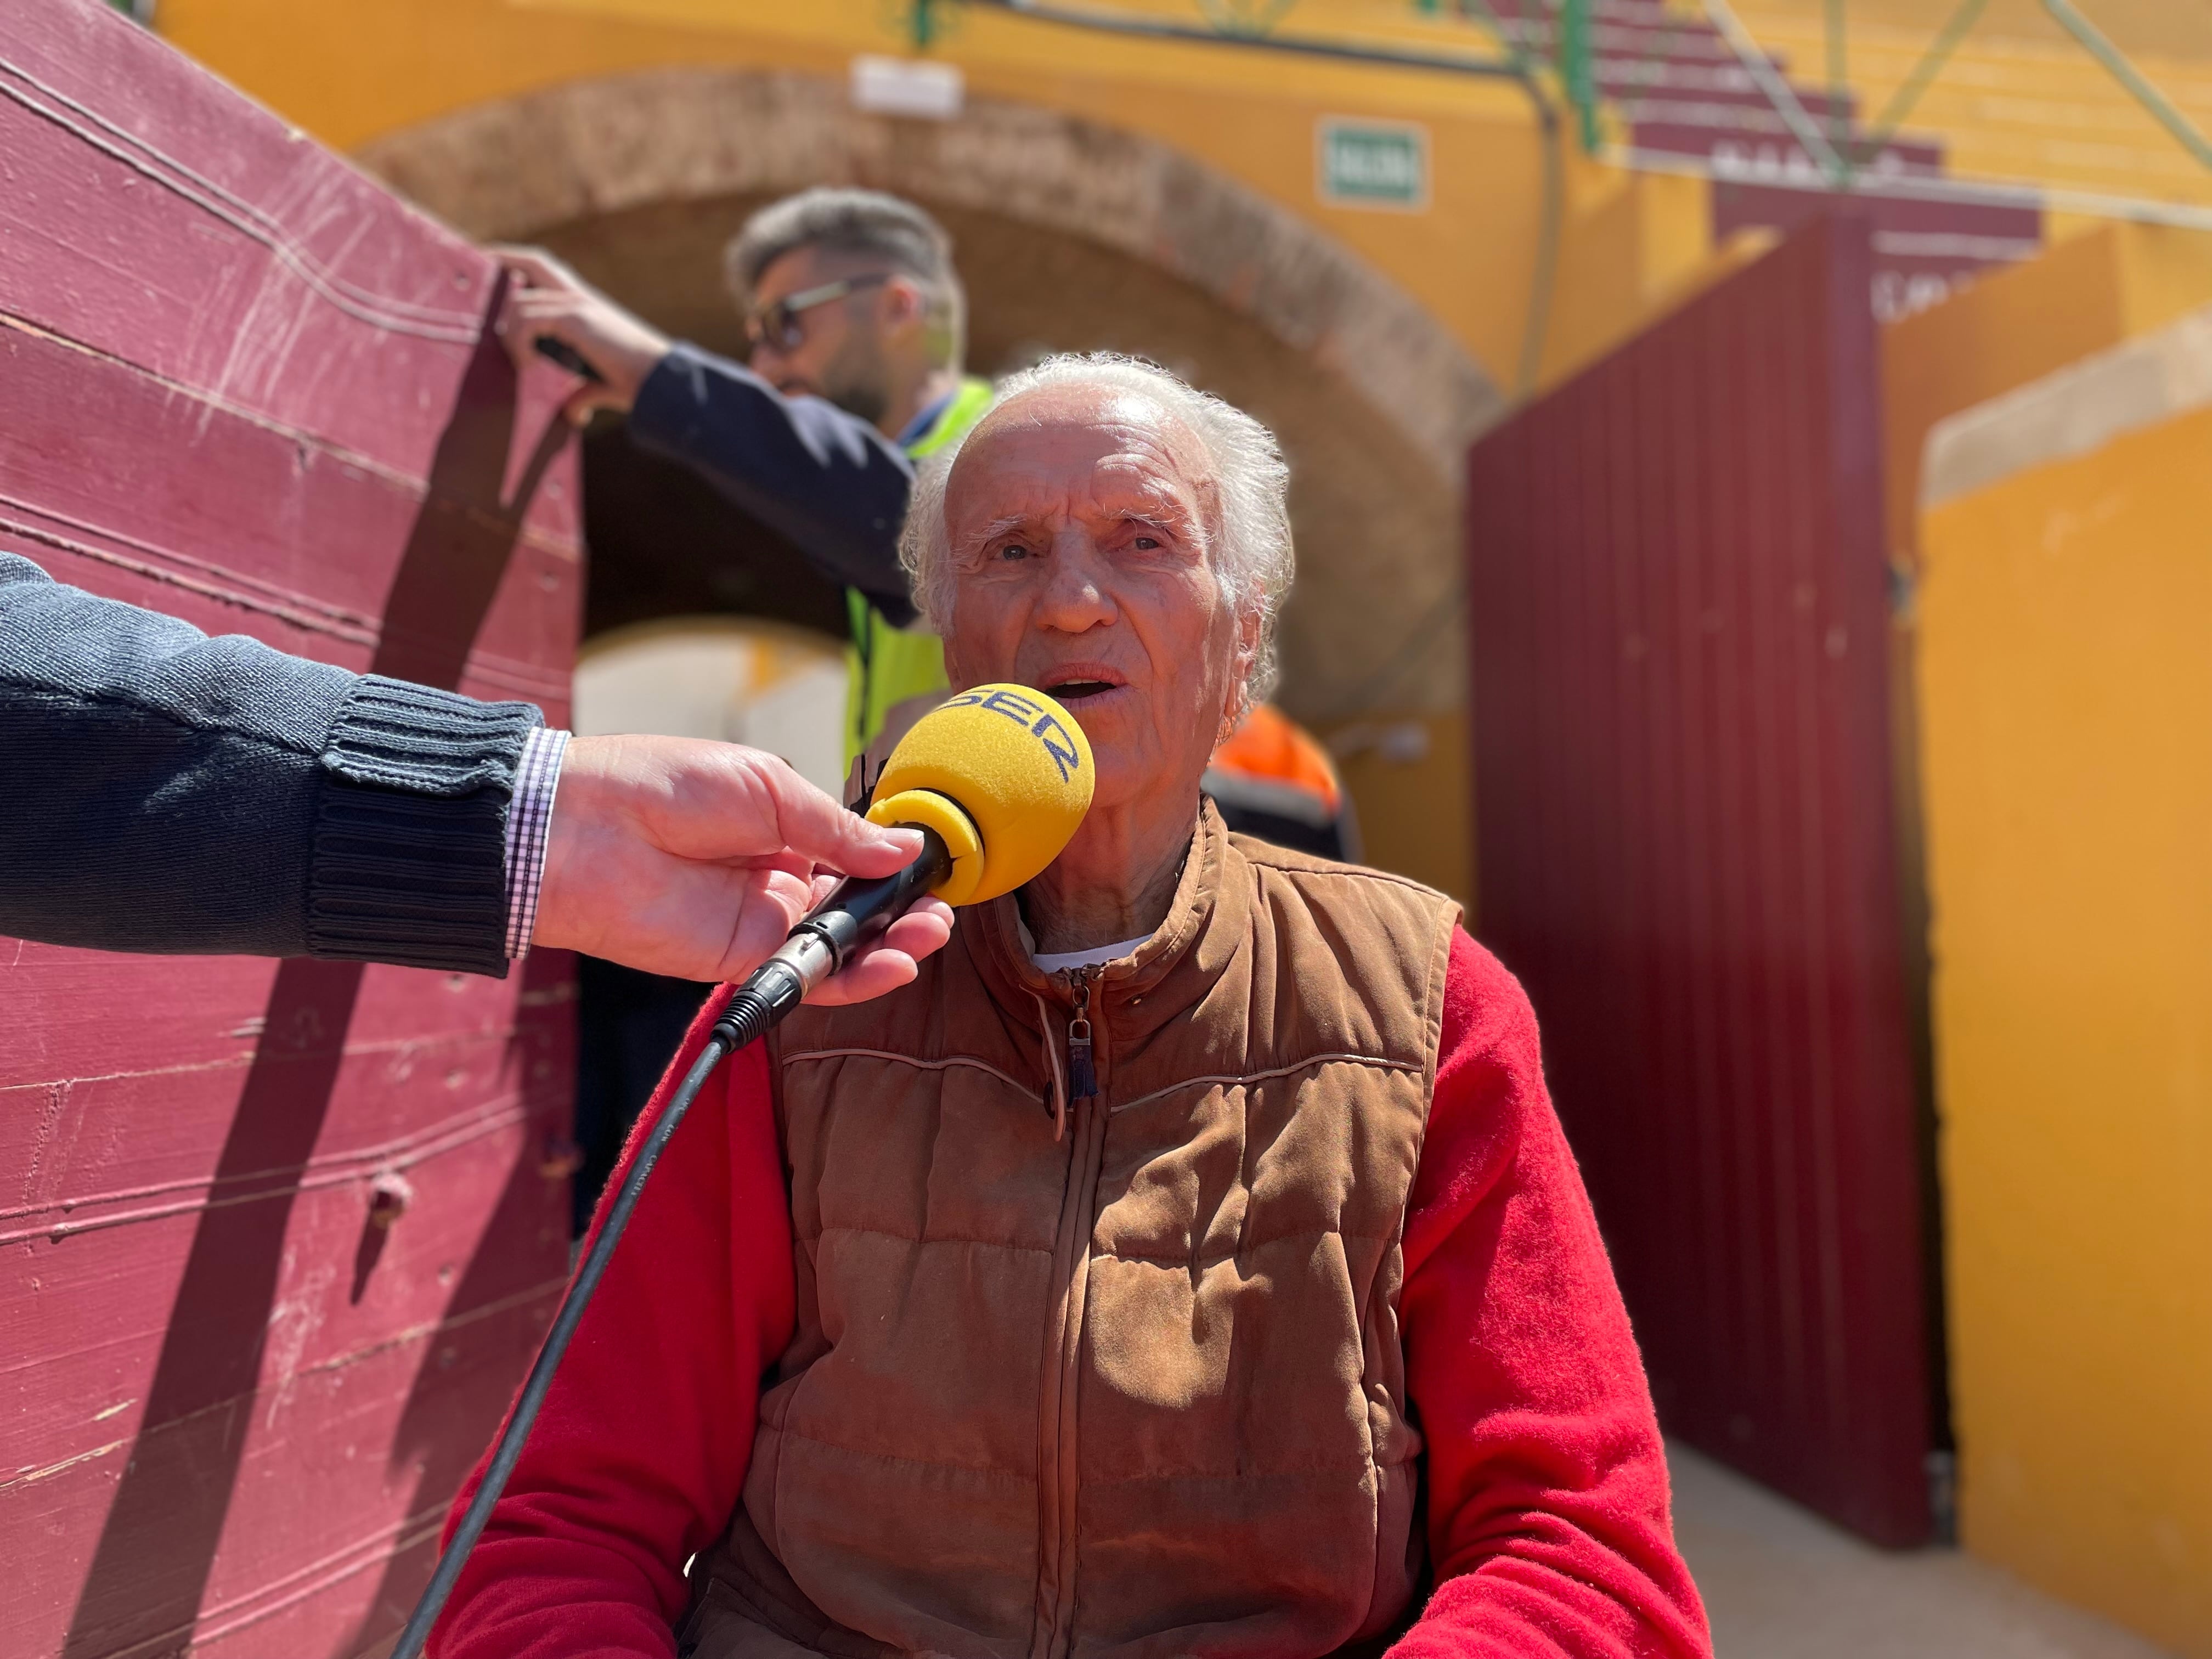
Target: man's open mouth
{"type": "Point", "coordinates": [1077, 681]}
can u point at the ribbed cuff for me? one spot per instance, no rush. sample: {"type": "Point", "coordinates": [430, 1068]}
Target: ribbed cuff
{"type": "Point", "coordinates": [410, 836]}
{"type": "Point", "coordinates": [432, 743]}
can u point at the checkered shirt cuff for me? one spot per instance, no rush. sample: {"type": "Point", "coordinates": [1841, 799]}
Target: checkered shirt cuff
{"type": "Point", "coordinates": [529, 816]}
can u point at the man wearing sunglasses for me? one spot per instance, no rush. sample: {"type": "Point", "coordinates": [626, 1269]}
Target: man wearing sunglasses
{"type": "Point", "coordinates": [854, 318]}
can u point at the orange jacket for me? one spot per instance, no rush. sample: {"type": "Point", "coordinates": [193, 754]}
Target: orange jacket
{"type": "Point", "coordinates": [1273, 778]}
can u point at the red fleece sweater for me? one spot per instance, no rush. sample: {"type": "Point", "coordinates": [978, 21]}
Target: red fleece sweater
{"type": "Point", "coordinates": [1546, 1480]}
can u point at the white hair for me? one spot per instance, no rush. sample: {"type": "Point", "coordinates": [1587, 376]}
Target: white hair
{"type": "Point", "coordinates": [1248, 543]}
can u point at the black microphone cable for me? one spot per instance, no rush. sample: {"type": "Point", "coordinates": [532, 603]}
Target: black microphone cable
{"type": "Point", "coordinates": [855, 912]}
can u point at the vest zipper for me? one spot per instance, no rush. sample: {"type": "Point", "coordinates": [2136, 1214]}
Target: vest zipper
{"type": "Point", "coordinates": [1082, 1080]}
{"type": "Point", "coordinates": [1053, 1631]}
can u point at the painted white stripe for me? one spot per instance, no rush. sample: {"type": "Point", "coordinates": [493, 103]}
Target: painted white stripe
{"type": "Point", "coordinates": [1946, 244]}
{"type": "Point", "coordinates": [2080, 409]}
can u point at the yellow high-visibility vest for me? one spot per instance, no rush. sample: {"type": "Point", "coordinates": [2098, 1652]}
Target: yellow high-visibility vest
{"type": "Point", "coordinates": [883, 665]}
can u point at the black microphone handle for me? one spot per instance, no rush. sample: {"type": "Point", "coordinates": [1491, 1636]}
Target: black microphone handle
{"type": "Point", "coordinates": [855, 912]}
{"type": "Point", "coordinates": [560, 351]}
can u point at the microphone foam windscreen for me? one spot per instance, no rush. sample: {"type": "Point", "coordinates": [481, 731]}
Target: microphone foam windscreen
{"type": "Point", "coordinates": [1018, 768]}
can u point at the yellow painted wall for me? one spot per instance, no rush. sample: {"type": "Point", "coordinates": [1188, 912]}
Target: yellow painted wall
{"type": "Point", "coordinates": [2163, 271]}
{"type": "Point", "coordinates": [1415, 798]}
{"type": "Point", "coordinates": [2001, 332]}
{"type": "Point", "coordinates": [2111, 283]}
{"type": "Point", "coordinates": [2066, 702]}
{"type": "Point", "coordinates": [348, 74]}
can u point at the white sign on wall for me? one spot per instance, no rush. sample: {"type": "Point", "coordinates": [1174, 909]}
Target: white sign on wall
{"type": "Point", "coordinates": [916, 86]}
{"type": "Point", "coordinates": [1363, 163]}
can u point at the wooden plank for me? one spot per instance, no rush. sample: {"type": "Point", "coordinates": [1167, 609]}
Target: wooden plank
{"type": "Point", "coordinates": [242, 527]}
{"type": "Point", "coordinates": [155, 216]}
{"type": "Point", "coordinates": [252, 389]}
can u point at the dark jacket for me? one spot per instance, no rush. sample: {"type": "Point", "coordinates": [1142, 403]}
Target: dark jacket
{"type": "Point", "coordinates": [827, 481]}
{"type": "Point", "coordinates": [163, 791]}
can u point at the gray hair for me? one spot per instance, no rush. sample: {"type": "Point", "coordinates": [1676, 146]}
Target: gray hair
{"type": "Point", "coordinates": [862, 224]}
{"type": "Point", "coordinates": [1249, 543]}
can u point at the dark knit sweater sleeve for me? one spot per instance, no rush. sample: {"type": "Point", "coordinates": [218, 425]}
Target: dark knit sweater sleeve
{"type": "Point", "coordinates": [169, 792]}
{"type": "Point", "coordinates": [827, 481]}
{"type": "Point", "coordinates": [1545, 1475]}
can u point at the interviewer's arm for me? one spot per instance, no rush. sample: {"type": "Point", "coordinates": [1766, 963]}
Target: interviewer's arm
{"type": "Point", "coordinates": [680, 856]}
{"type": "Point", "coordinates": [163, 791]}
{"type": "Point", "coordinates": [1547, 1478]}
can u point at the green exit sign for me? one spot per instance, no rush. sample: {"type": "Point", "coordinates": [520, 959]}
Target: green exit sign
{"type": "Point", "coordinates": [1374, 163]}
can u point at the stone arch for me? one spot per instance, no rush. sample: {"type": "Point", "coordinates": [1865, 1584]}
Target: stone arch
{"type": "Point", "coordinates": [1093, 236]}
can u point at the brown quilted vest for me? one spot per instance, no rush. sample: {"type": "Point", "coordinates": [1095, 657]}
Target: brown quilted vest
{"type": "Point", "coordinates": [1135, 1391]}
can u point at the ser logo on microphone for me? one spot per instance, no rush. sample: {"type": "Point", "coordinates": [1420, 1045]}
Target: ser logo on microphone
{"type": "Point", "coordinates": [1040, 721]}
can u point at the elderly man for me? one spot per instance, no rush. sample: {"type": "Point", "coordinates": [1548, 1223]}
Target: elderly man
{"type": "Point", "coordinates": [1187, 1262]}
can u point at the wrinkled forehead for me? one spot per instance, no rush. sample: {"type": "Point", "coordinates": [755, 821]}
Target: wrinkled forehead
{"type": "Point", "coordinates": [1073, 444]}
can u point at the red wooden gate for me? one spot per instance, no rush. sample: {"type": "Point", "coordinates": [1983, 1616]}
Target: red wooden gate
{"type": "Point", "coordinates": [240, 383]}
{"type": "Point", "coordinates": [1679, 643]}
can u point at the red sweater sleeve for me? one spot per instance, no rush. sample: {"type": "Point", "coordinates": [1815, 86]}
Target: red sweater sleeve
{"type": "Point", "coordinates": [638, 1457]}
{"type": "Point", "coordinates": [1548, 1496]}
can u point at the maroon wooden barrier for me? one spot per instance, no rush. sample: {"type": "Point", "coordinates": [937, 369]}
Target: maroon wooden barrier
{"type": "Point", "coordinates": [244, 385]}
{"type": "Point", "coordinates": [1681, 629]}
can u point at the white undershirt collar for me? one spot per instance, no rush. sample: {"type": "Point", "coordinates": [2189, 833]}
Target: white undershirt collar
{"type": "Point", "coordinates": [1054, 962]}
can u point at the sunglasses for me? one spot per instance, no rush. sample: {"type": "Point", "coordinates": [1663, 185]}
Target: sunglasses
{"type": "Point", "coordinates": [778, 324]}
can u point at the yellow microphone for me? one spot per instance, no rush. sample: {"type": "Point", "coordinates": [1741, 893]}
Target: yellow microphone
{"type": "Point", "coordinates": [1002, 774]}
{"type": "Point", "coordinates": [996, 779]}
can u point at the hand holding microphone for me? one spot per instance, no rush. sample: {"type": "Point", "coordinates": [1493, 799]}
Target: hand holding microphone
{"type": "Point", "coordinates": [996, 781]}
{"type": "Point", "coordinates": [676, 855]}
